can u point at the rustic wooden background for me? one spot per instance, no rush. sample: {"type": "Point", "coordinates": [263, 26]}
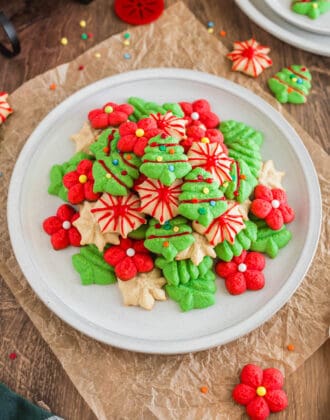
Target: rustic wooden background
{"type": "Point", "coordinates": [36, 373]}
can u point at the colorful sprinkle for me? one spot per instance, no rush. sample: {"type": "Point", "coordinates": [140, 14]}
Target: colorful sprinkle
{"type": "Point", "coordinates": [290, 347]}
{"type": "Point", "coordinates": [124, 173]}
{"type": "Point", "coordinates": [82, 179]}
{"type": "Point", "coordinates": [210, 30]}
{"type": "Point", "coordinates": [205, 140]}
{"type": "Point", "coordinates": [52, 86]}
{"type": "Point", "coordinates": [202, 211]}
{"type": "Point", "coordinates": [176, 229]}
{"type": "Point", "coordinates": [97, 55]}
{"type": "Point", "coordinates": [223, 33]}
{"type": "Point", "coordinates": [127, 56]}
{"type": "Point", "coordinates": [167, 226]}
{"type": "Point", "coordinates": [204, 389]}
{"type": "Point", "coordinates": [159, 158]}
{"type": "Point", "coordinates": [210, 24]}
{"type": "Point", "coordinates": [261, 391]}
{"type": "Point", "coordinates": [108, 109]}
{"type": "Point", "coordinates": [206, 190]}
{"type": "Point", "coordinates": [84, 36]}
{"type": "Point", "coordinates": [128, 157]}
{"type": "Point", "coordinates": [171, 168]}
{"type": "Point", "coordinates": [162, 147]}
{"type": "Point", "coordinates": [126, 42]}
{"type": "Point", "coordinates": [82, 24]}
{"type": "Point", "coordinates": [81, 67]}
{"type": "Point", "coordinates": [108, 176]}
{"type": "Point", "coordinates": [299, 81]}
{"type": "Point", "coordinates": [106, 149]}
{"type": "Point", "coordinates": [115, 162]}
{"type": "Point", "coordinates": [212, 203]}
{"type": "Point", "coordinates": [64, 41]}
{"type": "Point", "coordinates": [127, 35]}
{"type": "Point", "coordinates": [90, 34]}
{"type": "Point", "coordinates": [13, 356]}
{"type": "Point", "coordinates": [166, 244]}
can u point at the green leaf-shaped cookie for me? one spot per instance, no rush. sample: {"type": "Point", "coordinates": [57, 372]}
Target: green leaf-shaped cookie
{"type": "Point", "coordinates": [92, 268]}
{"type": "Point", "coordinates": [142, 108]}
{"type": "Point", "coordinates": [270, 241]}
{"type": "Point", "coordinates": [243, 240]}
{"type": "Point", "coordinates": [57, 172]}
{"type": "Point", "coordinates": [170, 238]}
{"type": "Point", "coordinates": [234, 130]}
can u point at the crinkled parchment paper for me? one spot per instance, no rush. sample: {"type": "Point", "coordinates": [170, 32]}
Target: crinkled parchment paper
{"type": "Point", "coordinates": [125, 385]}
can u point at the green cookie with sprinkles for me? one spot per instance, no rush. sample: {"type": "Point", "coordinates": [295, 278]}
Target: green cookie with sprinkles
{"type": "Point", "coordinates": [292, 84]}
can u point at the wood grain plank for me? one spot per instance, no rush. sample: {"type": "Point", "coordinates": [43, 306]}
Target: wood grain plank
{"type": "Point", "coordinates": [36, 373]}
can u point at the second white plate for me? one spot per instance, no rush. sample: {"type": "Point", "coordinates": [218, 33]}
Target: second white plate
{"type": "Point", "coordinates": [283, 8]}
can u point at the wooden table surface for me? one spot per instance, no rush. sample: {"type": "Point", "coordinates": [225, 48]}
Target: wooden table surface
{"type": "Point", "coordinates": [36, 373]}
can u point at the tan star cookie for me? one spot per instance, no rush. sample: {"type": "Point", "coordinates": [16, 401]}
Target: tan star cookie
{"type": "Point", "coordinates": [269, 176]}
{"type": "Point", "coordinates": [90, 231]}
{"type": "Point", "coordinates": [244, 208]}
{"type": "Point", "coordinates": [143, 290]}
{"type": "Point", "coordinates": [85, 137]}
{"type": "Point", "coordinates": [198, 250]}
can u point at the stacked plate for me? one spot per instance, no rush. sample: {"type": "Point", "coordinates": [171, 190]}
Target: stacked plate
{"type": "Point", "coordinates": [277, 18]}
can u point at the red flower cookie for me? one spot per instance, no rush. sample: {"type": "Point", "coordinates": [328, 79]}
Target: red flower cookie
{"type": "Point", "coordinates": [199, 113]}
{"type": "Point", "coordinates": [135, 136]}
{"type": "Point", "coordinates": [60, 227]}
{"type": "Point", "coordinates": [129, 258]}
{"type": "Point", "coordinates": [272, 206]}
{"type": "Point", "coordinates": [243, 273]}
{"type": "Point", "coordinates": [261, 391]}
{"type": "Point", "coordinates": [110, 115]}
{"type": "Point", "coordinates": [80, 183]}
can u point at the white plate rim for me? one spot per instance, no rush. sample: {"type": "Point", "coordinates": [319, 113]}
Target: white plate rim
{"type": "Point", "coordinates": [174, 346]}
{"type": "Point", "coordinates": [296, 20]}
{"type": "Point", "coordinates": [281, 33]}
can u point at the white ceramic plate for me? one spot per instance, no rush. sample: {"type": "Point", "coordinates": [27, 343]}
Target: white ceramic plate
{"type": "Point", "coordinates": [320, 25]}
{"type": "Point", "coordinates": [98, 310]}
{"type": "Point", "coordinates": [261, 14]}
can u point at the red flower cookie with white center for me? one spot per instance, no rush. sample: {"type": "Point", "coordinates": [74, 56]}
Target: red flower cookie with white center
{"type": "Point", "coordinates": [170, 125]}
{"type": "Point", "coordinates": [212, 158]}
{"type": "Point", "coordinates": [158, 200]}
{"type": "Point", "coordinates": [129, 258]}
{"type": "Point", "coordinates": [110, 115]}
{"type": "Point", "coordinates": [224, 227]}
{"type": "Point", "coordinates": [197, 133]}
{"type": "Point", "coordinates": [243, 273]}
{"type": "Point", "coordinates": [60, 228]}
{"type": "Point", "coordinates": [118, 214]}
{"type": "Point", "coordinates": [261, 391]}
{"type": "Point", "coordinates": [5, 108]}
{"type": "Point", "coordinates": [138, 12]}
{"type": "Point", "coordinates": [199, 114]}
{"type": "Point", "coordinates": [272, 206]}
{"type": "Point", "coordinates": [250, 57]}
{"type": "Point", "coordinates": [80, 183]}
{"type": "Point", "coordinates": [135, 136]}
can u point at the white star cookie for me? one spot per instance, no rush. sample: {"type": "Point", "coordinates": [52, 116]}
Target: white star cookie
{"type": "Point", "coordinates": [198, 250]}
{"type": "Point", "coordinates": [143, 290]}
{"type": "Point", "coordinates": [85, 137]}
{"type": "Point", "coordinates": [269, 176]}
{"type": "Point", "coordinates": [90, 230]}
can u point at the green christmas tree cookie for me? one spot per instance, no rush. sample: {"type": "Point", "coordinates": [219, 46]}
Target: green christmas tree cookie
{"type": "Point", "coordinates": [248, 152]}
{"type": "Point", "coordinates": [234, 130]}
{"type": "Point", "coordinates": [113, 172]}
{"type": "Point", "coordinates": [192, 287]}
{"type": "Point", "coordinates": [57, 172]}
{"type": "Point", "coordinates": [242, 183]}
{"type": "Point", "coordinates": [311, 8]}
{"type": "Point", "coordinates": [142, 108]}
{"type": "Point", "coordinates": [270, 241]}
{"type": "Point", "coordinates": [164, 159]}
{"type": "Point", "coordinates": [170, 238]}
{"type": "Point", "coordinates": [292, 84]}
{"type": "Point", "coordinates": [91, 266]}
{"type": "Point", "coordinates": [180, 272]}
{"type": "Point", "coordinates": [243, 240]}
{"type": "Point", "coordinates": [201, 198]}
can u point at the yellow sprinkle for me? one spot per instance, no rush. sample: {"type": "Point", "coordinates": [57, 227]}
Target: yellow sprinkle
{"type": "Point", "coordinates": [139, 132]}
{"type": "Point", "coordinates": [97, 55]}
{"type": "Point", "coordinates": [205, 140]}
{"type": "Point", "coordinates": [176, 229]}
{"type": "Point", "coordinates": [261, 391]}
{"type": "Point", "coordinates": [159, 158]}
{"type": "Point", "coordinates": [108, 176]}
{"type": "Point", "coordinates": [82, 179]}
{"type": "Point", "coordinates": [126, 42]}
{"type": "Point", "coordinates": [206, 190]}
{"type": "Point", "coordinates": [315, 5]}
{"type": "Point", "coordinates": [64, 41]}
{"type": "Point", "coordinates": [294, 79]}
{"type": "Point", "coordinates": [210, 30]}
{"type": "Point", "coordinates": [82, 23]}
